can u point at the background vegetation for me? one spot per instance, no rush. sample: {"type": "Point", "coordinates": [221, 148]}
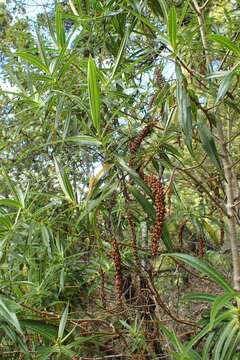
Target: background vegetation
{"type": "Point", "coordinates": [120, 202]}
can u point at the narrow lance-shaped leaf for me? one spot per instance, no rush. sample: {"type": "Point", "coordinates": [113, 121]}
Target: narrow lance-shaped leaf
{"type": "Point", "coordinates": [46, 239]}
{"type": "Point", "coordinates": [224, 336]}
{"type": "Point", "coordinates": [63, 322]}
{"type": "Point", "coordinates": [33, 60]}
{"type": "Point", "coordinates": [166, 238]}
{"type": "Point", "coordinates": [41, 47]}
{"type": "Point", "coordinates": [225, 85]}
{"type": "Point", "coordinates": [205, 269]}
{"type": "Point", "coordinates": [60, 26]}
{"type": "Point", "coordinates": [146, 205]}
{"type": "Point", "coordinates": [209, 145]}
{"type": "Point", "coordinates": [219, 303]}
{"type": "Point", "coordinates": [199, 297]}
{"type": "Point", "coordinates": [72, 6]}
{"type": "Point", "coordinates": [172, 27]}
{"type": "Point", "coordinates": [164, 7]}
{"type": "Point", "coordinates": [135, 176]}
{"type": "Point", "coordinates": [15, 190]}
{"type": "Point", "coordinates": [47, 331]}
{"type": "Point", "coordinates": [9, 316]}
{"type": "Point", "coordinates": [119, 56]}
{"type": "Point", "coordinates": [184, 108]}
{"type": "Point", "coordinates": [93, 92]}
{"type": "Point", "coordinates": [227, 43]}
{"type": "Point", "coordinates": [234, 328]}
{"type": "Point", "coordinates": [65, 183]}
{"type": "Point", "coordinates": [10, 203]}
{"type": "Point", "coordinates": [83, 140]}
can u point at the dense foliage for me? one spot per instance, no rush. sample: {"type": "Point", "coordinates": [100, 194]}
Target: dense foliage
{"type": "Point", "coordinates": [120, 201]}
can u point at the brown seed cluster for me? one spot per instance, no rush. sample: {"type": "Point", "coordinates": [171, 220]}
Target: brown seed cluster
{"type": "Point", "coordinates": [201, 246]}
{"type": "Point", "coordinates": [152, 101]}
{"type": "Point", "coordinates": [180, 232]}
{"type": "Point", "coordinates": [134, 145]}
{"type": "Point", "coordinates": [118, 268]}
{"type": "Point", "coordinates": [158, 192]}
{"type": "Point", "coordinates": [139, 356]}
{"type": "Point", "coordinates": [160, 81]}
{"type": "Point", "coordinates": [102, 289]}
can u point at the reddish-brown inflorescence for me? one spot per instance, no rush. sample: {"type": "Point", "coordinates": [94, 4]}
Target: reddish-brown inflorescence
{"type": "Point", "coordinates": [134, 145]}
{"type": "Point", "coordinates": [201, 246]}
{"type": "Point", "coordinates": [118, 268]}
{"type": "Point", "coordinates": [102, 289]}
{"type": "Point", "coordinates": [160, 81]}
{"type": "Point", "coordinates": [158, 193]}
{"type": "Point", "coordinates": [180, 232]}
{"type": "Point", "coordinates": [157, 189]}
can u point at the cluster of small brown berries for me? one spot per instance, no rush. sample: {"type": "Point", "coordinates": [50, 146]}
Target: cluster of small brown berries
{"type": "Point", "coordinates": [102, 289]}
{"type": "Point", "coordinates": [180, 232]}
{"type": "Point", "coordinates": [139, 356]}
{"type": "Point", "coordinates": [201, 246]}
{"type": "Point", "coordinates": [134, 239]}
{"type": "Point", "coordinates": [152, 101]}
{"type": "Point", "coordinates": [158, 192]}
{"type": "Point", "coordinates": [222, 233]}
{"type": "Point", "coordinates": [134, 145]}
{"type": "Point", "coordinates": [160, 81]}
{"type": "Point", "coordinates": [118, 268]}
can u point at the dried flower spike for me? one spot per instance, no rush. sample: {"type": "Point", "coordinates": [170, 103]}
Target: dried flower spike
{"type": "Point", "coordinates": [158, 192]}
{"type": "Point", "coordinates": [118, 268]}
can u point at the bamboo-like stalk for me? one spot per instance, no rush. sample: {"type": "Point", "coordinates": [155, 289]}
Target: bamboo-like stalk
{"type": "Point", "coordinates": [231, 184]}
{"type": "Point", "coordinates": [230, 187]}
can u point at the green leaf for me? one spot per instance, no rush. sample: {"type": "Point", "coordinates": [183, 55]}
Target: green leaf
{"type": "Point", "coordinates": [146, 205]}
{"type": "Point", "coordinates": [41, 47]}
{"type": "Point", "coordinates": [39, 327]}
{"type": "Point", "coordinates": [65, 183]}
{"type": "Point", "coordinates": [207, 346]}
{"type": "Point", "coordinates": [199, 297]}
{"type": "Point", "coordinates": [9, 316]}
{"type": "Point", "coordinates": [225, 85]}
{"type": "Point", "coordinates": [119, 56]}
{"type": "Point", "coordinates": [33, 60]}
{"type": "Point", "coordinates": [233, 329]}
{"type": "Point", "coordinates": [232, 347]}
{"type": "Point", "coordinates": [93, 204]}
{"type": "Point", "coordinates": [166, 238]}
{"type": "Point", "coordinates": [205, 269]}
{"type": "Point", "coordinates": [63, 322]}
{"type": "Point", "coordinates": [172, 337]}
{"type": "Point", "coordinates": [222, 339]}
{"type": "Point", "coordinates": [135, 176]}
{"type": "Point", "coordinates": [172, 27]}
{"type": "Point", "coordinates": [6, 222]}
{"type": "Point", "coordinates": [45, 352]}
{"type": "Point", "coordinates": [15, 190]}
{"type": "Point", "coordinates": [184, 108]}
{"type": "Point", "coordinates": [61, 39]}
{"type": "Point", "coordinates": [69, 353]}
{"type": "Point", "coordinates": [219, 303]}
{"type": "Point", "coordinates": [194, 340]}
{"type": "Point", "coordinates": [10, 203]}
{"type": "Point", "coordinates": [83, 140]}
{"type": "Point", "coordinates": [93, 92]}
{"type": "Point", "coordinates": [222, 40]}
{"type": "Point", "coordinates": [209, 145]}
{"type": "Point", "coordinates": [164, 6]}
{"type": "Point", "coordinates": [46, 239]}
{"type": "Point", "coordinates": [72, 6]}
{"type": "Point", "coordinates": [152, 27]}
